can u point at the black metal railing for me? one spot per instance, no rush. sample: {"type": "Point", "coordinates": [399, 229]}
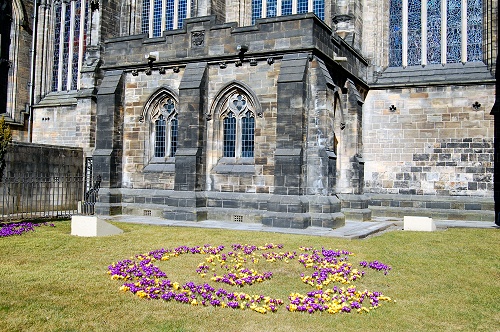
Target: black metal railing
{"type": "Point", "coordinates": [27, 196]}
{"type": "Point", "coordinates": [90, 197]}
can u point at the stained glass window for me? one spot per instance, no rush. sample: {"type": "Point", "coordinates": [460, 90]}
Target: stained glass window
{"type": "Point", "coordinates": [319, 8]}
{"type": "Point", "coordinates": [174, 128]}
{"type": "Point", "coordinates": [166, 129]}
{"type": "Point", "coordinates": [434, 31]}
{"type": "Point", "coordinates": [396, 33]}
{"type": "Point", "coordinates": [302, 6]}
{"type": "Point", "coordinates": [286, 7]}
{"type": "Point", "coordinates": [272, 7]}
{"type": "Point", "coordinates": [157, 9]}
{"type": "Point", "coordinates": [453, 31]}
{"type": "Point", "coordinates": [57, 36]}
{"type": "Point", "coordinates": [168, 13]}
{"type": "Point", "coordinates": [70, 27]}
{"type": "Point", "coordinates": [76, 46]}
{"type": "Point", "coordinates": [414, 32]}
{"type": "Point", "coordinates": [145, 16]}
{"type": "Point", "coordinates": [182, 12]}
{"type": "Point", "coordinates": [65, 47]}
{"type": "Point", "coordinates": [247, 135]}
{"type": "Point", "coordinates": [229, 135]}
{"type": "Point", "coordinates": [256, 10]}
{"type": "Point", "coordinates": [474, 30]}
{"type": "Point", "coordinates": [444, 20]}
{"type": "Point", "coordinates": [160, 141]}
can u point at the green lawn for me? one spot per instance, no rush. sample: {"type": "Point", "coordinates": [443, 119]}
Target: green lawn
{"type": "Point", "coordinates": [441, 281]}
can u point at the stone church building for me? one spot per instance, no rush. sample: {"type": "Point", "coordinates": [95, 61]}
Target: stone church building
{"type": "Point", "coordinates": [290, 113]}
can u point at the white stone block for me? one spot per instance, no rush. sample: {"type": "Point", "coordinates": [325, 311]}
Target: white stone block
{"type": "Point", "coordinates": [92, 226]}
{"type": "Point", "coordinates": [423, 224]}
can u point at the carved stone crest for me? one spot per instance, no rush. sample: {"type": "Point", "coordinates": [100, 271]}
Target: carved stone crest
{"type": "Point", "coordinates": [198, 38]}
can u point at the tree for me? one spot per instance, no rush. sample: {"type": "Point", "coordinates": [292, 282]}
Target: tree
{"type": "Point", "coordinates": [5, 139]}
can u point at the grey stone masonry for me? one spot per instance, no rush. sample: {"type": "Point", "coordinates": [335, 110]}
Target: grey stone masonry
{"type": "Point", "coordinates": [280, 74]}
{"type": "Point", "coordinates": [188, 162]}
{"type": "Point", "coordinates": [108, 152]}
{"type": "Point", "coordinates": [290, 124]}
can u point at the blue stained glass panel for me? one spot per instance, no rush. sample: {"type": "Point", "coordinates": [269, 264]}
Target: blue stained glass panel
{"type": "Point", "coordinates": [174, 129]}
{"type": "Point", "coordinates": [434, 31]}
{"type": "Point", "coordinates": [65, 63]}
{"type": "Point", "coordinates": [76, 45]}
{"type": "Point", "coordinates": [247, 135]}
{"type": "Point", "coordinates": [157, 8]}
{"type": "Point", "coordinates": [160, 132]}
{"type": "Point", "coordinates": [319, 8]}
{"type": "Point", "coordinates": [474, 30]}
{"type": "Point", "coordinates": [256, 10]}
{"type": "Point", "coordinates": [272, 8]}
{"type": "Point", "coordinates": [229, 135]}
{"type": "Point", "coordinates": [453, 31]}
{"type": "Point", "coordinates": [302, 6]}
{"type": "Point", "coordinates": [414, 32]}
{"type": "Point", "coordinates": [395, 34]}
{"type": "Point", "coordinates": [145, 16]}
{"type": "Point", "coordinates": [286, 7]}
{"type": "Point", "coordinates": [181, 14]}
{"type": "Point", "coordinates": [169, 15]}
{"type": "Point", "coordinates": [57, 38]}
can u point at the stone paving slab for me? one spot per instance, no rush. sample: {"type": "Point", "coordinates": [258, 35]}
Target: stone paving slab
{"type": "Point", "coordinates": [351, 230]}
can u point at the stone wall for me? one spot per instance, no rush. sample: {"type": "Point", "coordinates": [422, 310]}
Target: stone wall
{"type": "Point", "coordinates": [66, 119]}
{"type": "Point", "coordinates": [137, 145]}
{"type": "Point", "coordinates": [290, 85]}
{"type": "Point", "coordinates": [27, 159]}
{"type": "Point", "coordinates": [429, 141]}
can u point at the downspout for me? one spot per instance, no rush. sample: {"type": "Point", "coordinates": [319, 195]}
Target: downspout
{"type": "Point", "coordinates": [32, 71]}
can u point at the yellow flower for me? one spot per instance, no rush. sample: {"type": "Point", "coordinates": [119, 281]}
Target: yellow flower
{"type": "Point", "coordinates": [124, 288]}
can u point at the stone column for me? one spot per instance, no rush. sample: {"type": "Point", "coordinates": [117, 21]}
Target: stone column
{"type": "Point", "coordinates": [107, 157]}
{"type": "Point", "coordinates": [351, 164]}
{"type": "Point", "coordinates": [189, 161]}
{"type": "Point", "coordinates": [187, 201]}
{"type": "Point", "coordinates": [290, 126]}
{"type": "Point", "coordinates": [286, 207]}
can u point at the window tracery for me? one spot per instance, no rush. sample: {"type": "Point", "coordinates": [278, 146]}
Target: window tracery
{"type": "Point", "coordinates": [238, 120]}
{"type": "Point", "coordinates": [161, 15]}
{"type": "Point", "coordinates": [273, 8]}
{"type": "Point", "coordinates": [70, 33]}
{"type": "Point", "coordinates": [434, 31]}
{"type": "Point", "coordinates": [165, 129]}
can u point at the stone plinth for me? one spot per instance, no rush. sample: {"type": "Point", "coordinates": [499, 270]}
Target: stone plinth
{"type": "Point", "coordinates": [424, 224]}
{"type": "Point", "coordinates": [90, 226]}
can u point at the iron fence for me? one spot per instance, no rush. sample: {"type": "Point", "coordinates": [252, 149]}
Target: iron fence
{"type": "Point", "coordinates": [26, 196]}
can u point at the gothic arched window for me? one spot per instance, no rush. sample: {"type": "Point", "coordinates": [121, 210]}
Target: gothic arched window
{"type": "Point", "coordinates": [273, 8]}
{"type": "Point", "coordinates": [165, 129]}
{"type": "Point", "coordinates": [435, 31]}
{"type": "Point", "coordinates": [5, 45]}
{"type": "Point", "coordinates": [161, 15]}
{"type": "Point", "coordinates": [238, 128]}
{"type": "Point", "coordinates": [70, 33]}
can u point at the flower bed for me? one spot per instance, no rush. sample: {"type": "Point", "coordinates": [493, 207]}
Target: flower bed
{"type": "Point", "coordinates": [20, 228]}
{"type": "Point", "coordinates": [238, 268]}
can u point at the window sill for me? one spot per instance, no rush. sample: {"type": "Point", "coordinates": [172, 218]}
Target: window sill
{"type": "Point", "coordinates": [235, 165]}
{"type": "Point", "coordinates": [160, 166]}
{"type": "Point", "coordinates": [435, 74]}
